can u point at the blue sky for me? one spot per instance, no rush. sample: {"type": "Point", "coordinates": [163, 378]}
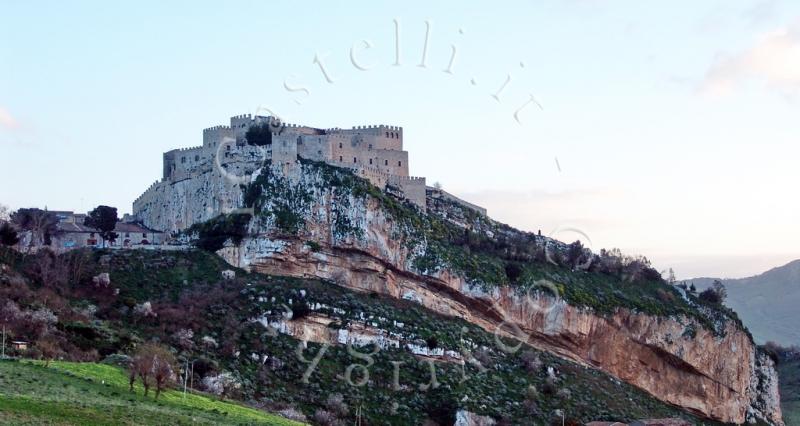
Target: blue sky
{"type": "Point", "coordinates": [674, 125]}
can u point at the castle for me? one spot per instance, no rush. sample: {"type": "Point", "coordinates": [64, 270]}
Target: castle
{"type": "Point", "coordinates": [202, 182]}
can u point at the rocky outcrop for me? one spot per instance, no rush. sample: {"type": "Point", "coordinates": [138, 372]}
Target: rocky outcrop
{"type": "Point", "coordinates": [465, 418]}
{"type": "Point", "coordinates": [717, 375]}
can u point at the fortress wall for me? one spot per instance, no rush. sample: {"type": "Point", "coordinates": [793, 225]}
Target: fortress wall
{"type": "Point", "coordinates": [284, 148]}
{"type": "Point", "coordinates": [195, 189]}
{"type": "Point", "coordinates": [440, 193]}
{"type": "Point", "coordinates": [181, 163]}
{"type": "Point", "coordinates": [213, 136]}
{"type": "Point", "coordinates": [170, 206]}
{"type": "Point", "coordinates": [390, 161]}
{"type": "Point", "coordinates": [315, 147]}
{"type": "Point", "coordinates": [413, 188]}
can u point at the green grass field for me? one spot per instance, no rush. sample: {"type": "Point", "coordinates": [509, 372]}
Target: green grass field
{"type": "Point", "coordinates": [69, 393]}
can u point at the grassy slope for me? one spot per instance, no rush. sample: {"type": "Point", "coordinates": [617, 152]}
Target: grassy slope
{"type": "Point", "coordinates": [87, 394]}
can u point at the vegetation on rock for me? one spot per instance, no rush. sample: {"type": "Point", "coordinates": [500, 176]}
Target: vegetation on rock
{"type": "Point", "coordinates": [214, 323]}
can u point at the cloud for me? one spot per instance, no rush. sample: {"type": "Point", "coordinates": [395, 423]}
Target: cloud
{"type": "Point", "coordinates": [7, 120]}
{"type": "Point", "coordinates": [773, 59]}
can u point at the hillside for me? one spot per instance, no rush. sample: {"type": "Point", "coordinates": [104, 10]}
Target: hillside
{"type": "Point", "coordinates": [607, 310]}
{"type": "Point", "coordinates": [767, 303]}
{"type": "Point", "coordinates": [186, 291]}
{"type": "Point", "coordinates": [97, 394]}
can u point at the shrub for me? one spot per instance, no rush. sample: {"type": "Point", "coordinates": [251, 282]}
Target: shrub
{"type": "Point", "coordinates": [223, 384]}
{"type": "Point", "coordinates": [335, 403]}
{"type": "Point", "coordinates": [326, 418]}
{"type": "Point", "coordinates": [291, 413]}
{"type": "Point", "coordinates": [531, 361]}
{"type": "Point", "coordinates": [120, 360]}
{"type": "Point", "coordinates": [259, 135]}
{"type": "Point", "coordinates": [212, 234]}
{"type": "Point", "coordinates": [432, 342]}
{"type": "Point", "coordinates": [715, 294]}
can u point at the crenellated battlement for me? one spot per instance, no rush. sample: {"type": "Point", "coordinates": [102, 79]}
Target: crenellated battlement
{"type": "Point", "coordinates": [215, 128]}
{"type": "Point", "coordinates": [194, 148]}
{"type": "Point", "coordinates": [150, 188]}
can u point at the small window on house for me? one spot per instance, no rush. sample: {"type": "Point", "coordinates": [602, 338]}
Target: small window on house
{"type": "Point", "coordinates": [385, 162]}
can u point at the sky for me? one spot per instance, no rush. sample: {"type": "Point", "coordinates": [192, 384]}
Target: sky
{"type": "Point", "coordinates": [665, 129]}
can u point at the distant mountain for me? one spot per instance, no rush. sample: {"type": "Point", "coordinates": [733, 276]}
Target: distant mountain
{"type": "Point", "coordinates": [767, 303]}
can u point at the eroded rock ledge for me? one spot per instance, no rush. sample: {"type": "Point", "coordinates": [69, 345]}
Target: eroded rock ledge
{"type": "Point", "coordinates": [723, 378]}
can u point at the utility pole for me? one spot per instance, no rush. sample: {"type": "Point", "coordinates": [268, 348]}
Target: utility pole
{"type": "Point", "coordinates": [185, 376]}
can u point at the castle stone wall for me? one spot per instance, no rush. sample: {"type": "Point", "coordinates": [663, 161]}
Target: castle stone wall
{"type": "Point", "coordinates": [202, 182]}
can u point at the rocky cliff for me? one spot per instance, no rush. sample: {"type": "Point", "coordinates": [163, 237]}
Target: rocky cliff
{"type": "Point", "coordinates": [317, 221]}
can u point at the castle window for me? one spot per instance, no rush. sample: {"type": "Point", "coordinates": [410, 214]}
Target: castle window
{"type": "Point", "coordinates": [385, 162]}
{"type": "Point", "coordinates": [127, 234]}
{"type": "Point", "coordinates": [227, 147]}
{"type": "Point", "coordinates": [183, 160]}
{"type": "Point", "coordinates": [340, 159]}
{"type": "Point", "coordinates": [387, 134]}
{"type": "Point", "coordinates": [355, 160]}
{"type": "Point", "coordinates": [340, 145]}
{"type": "Point", "coordinates": [370, 146]}
{"type": "Point", "coordinates": [144, 235]}
{"type": "Point", "coordinates": [370, 161]}
{"type": "Point", "coordinates": [196, 158]}
{"type": "Point", "coordinates": [399, 163]}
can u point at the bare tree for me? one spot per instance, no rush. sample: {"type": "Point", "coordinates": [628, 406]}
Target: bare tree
{"type": "Point", "coordinates": [152, 361]}
{"type": "Point", "coordinates": [49, 348]}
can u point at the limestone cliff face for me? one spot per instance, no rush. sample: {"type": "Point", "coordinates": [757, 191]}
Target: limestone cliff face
{"type": "Point", "coordinates": [351, 240]}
